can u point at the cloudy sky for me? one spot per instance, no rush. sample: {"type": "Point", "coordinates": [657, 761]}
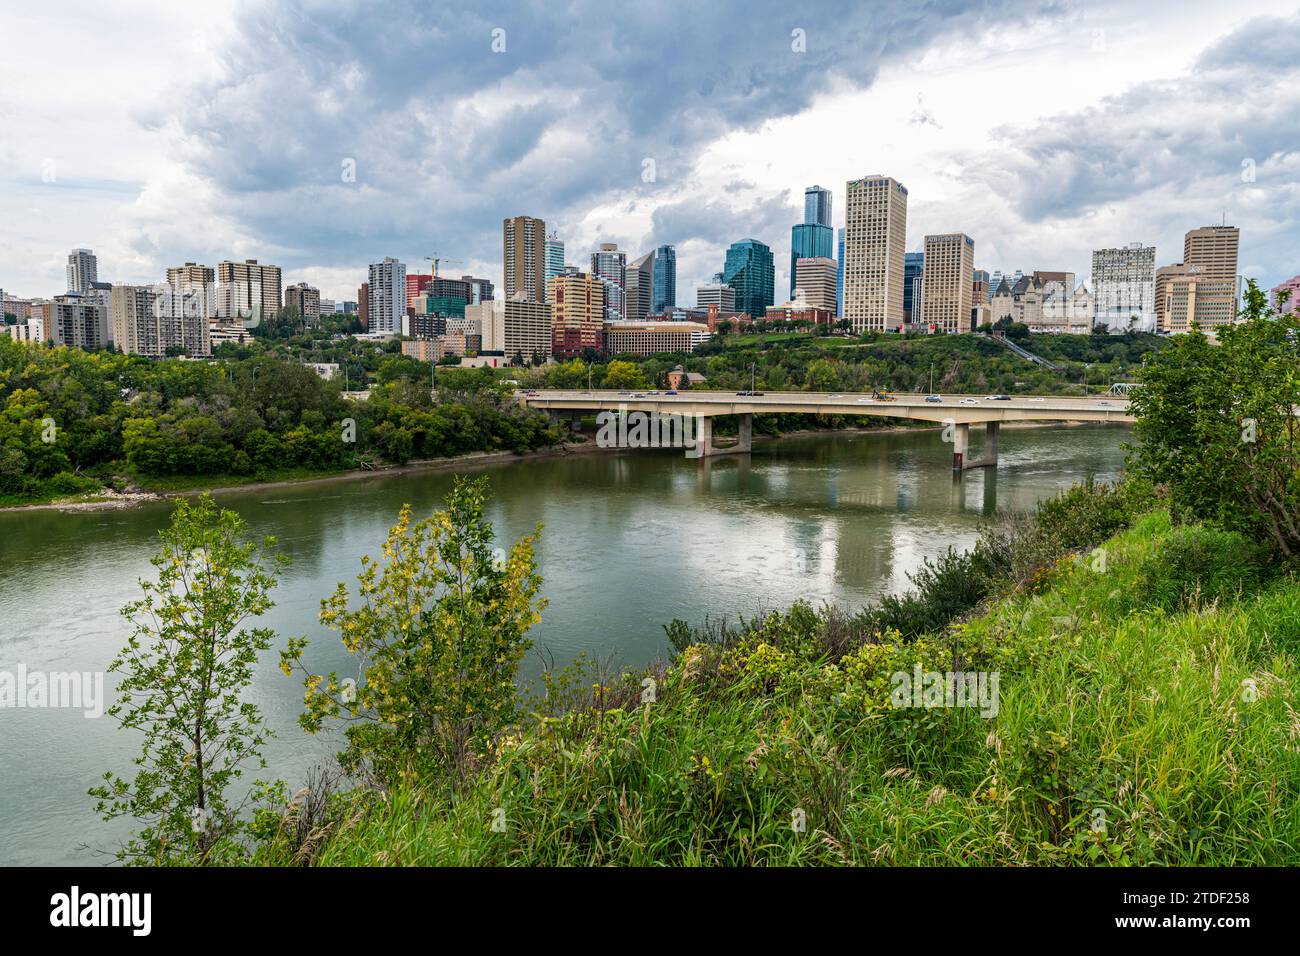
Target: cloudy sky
{"type": "Point", "coordinates": [157, 133]}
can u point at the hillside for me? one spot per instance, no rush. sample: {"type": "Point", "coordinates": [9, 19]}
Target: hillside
{"type": "Point", "coordinates": [1147, 712]}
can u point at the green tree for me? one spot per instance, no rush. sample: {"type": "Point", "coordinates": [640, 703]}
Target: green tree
{"type": "Point", "coordinates": [1216, 425]}
{"type": "Point", "coordinates": [184, 671]}
{"type": "Point", "coordinates": [623, 375]}
{"type": "Point", "coordinates": [440, 629]}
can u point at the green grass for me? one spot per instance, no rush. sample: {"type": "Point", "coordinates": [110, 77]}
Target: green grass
{"type": "Point", "coordinates": [172, 483]}
{"type": "Point", "coordinates": [1179, 729]}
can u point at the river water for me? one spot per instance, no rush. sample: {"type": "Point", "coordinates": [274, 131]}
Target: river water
{"type": "Point", "coordinates": [631, 540]}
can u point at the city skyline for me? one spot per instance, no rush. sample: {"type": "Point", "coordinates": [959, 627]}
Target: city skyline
{"type": "Point", "coordinates": [1031, 193]}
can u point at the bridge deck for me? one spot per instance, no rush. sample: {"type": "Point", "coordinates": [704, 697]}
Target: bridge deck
{"type": "Point", "coordinates": [978, 408]}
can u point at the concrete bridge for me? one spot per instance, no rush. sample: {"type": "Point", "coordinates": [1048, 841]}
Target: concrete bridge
{"type": "Point", "coordinates": [959, 412]}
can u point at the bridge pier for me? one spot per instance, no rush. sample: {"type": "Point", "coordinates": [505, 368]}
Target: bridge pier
{"type": "Point", "coordinates": [961, 459]}
{"type": "Point", "coordinates": [960, 442]}
{"type": "Point", "coordinates": [704, 447]}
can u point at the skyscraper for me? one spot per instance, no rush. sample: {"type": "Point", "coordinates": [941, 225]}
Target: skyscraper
{"type": "Point", "coordinates": [577, 302]}
{"type": "Point", "coordinates": [946, 279]}
{"type": "Point", "coordinates": [83, 269]}
{"type": "Point", "coordinates": [665, 294]}
{"type": "Point", "coordinates": [815, 283]}
{"type": "Point", "coordinates": [1201, 290]}
{"type": "Point", "coordinates": [809, 240]}
{"type": "Point", "coordinates": [839, 286]}
{"type": "Point", "coordinates": [875, 237]}
{"type": "Point", "coordinates": [817, 206]}
{"type": "Point", "coordinates": [609, 265]}
{"type": "Point", "coordinates": [640, 287]}
{"type": "Point", "coordinates": [749, 270]}
{"type": "Point", "coordinates": [386, 289]}
{"type": "Point", "coordinates": [1124, 288]}
{"type": "Point", "coordinates": [913, 264]}
{"type": "Point", "coordinates": [554, 255]}
{"type": "Point", "coordinates": [524, 257]}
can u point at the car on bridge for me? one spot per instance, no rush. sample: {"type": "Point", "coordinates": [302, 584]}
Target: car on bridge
{"type": "Point", "coordinates": [999, 398]}
{"type": "Point", "coordinates": [747, 394]}
{"type": "Point", "coordinates": [934, 398]}
{"type": "Point", "coordinates": [970, 401]}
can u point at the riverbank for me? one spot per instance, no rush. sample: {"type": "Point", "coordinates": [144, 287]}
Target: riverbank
{"type": "Point", "coordinates": [108, 500]}
{"type": "Point", "coordinates": [777, 745]}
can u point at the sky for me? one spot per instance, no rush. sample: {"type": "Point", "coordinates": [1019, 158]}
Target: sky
{"type": "Point", "coordinates": [322, 135]}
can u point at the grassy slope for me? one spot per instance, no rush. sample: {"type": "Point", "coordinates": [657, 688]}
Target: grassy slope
{"type": "Point", "coordinates": [1104, 705]}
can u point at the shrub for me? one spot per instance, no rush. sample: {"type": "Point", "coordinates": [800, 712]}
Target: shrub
{"type": "Point", "coordinates": [1200, 565]}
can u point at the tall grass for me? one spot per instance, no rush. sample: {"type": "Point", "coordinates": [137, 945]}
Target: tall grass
{"type": "Point", "coordinates": [1129, 731]}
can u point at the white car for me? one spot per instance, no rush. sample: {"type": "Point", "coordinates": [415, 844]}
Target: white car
{"type": "Point", "coordinates": [1037, 398]}
{"type": "Point", "coordinates": [970, 401]}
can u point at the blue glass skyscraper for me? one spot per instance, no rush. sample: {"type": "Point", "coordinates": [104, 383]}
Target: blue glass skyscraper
{"type": "Point", "coordinates": [750, 270]}
{"type": "Point", "coordinates": [665, 279]}
{"type": "Point", "coordinates": [817, 206]}
{"type": "Point", "coordinates": [839, 289]}
{"type": "Point", "coordinates": [913, 266]}
{"type": "Point", "coordinates": [809, 240]}
{"type": "Point", "coordinates": [813, 237]}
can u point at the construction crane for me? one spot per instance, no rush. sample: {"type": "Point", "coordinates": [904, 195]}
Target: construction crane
{"type": "Point", "coordinates": [437, 259]}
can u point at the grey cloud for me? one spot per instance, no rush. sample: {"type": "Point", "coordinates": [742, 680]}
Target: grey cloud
{"type": "Point", "coordinates": [447, 134]}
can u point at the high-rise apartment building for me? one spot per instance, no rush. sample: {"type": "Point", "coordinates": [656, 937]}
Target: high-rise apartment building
{"type": "Point", "coordinates": [524, 259]}
{"type": "Point", "coordinates": [716, 293]}
{"type": "Point", "coordinates": [83, 269]}
{"type": "Point", "coordinates": [815, 281]}
{"type": "Point", "coordinates": [304, 298]}
{"type": "Point", "coordinates": [247, 289]}
{"type": "Point", "coordinates": [146, 320]}
{"type": "Point", "coordinates": [665, 279]}
{"type": "Point", "coordinates": [946, 280]}
{"type": "Point", "coordinates": [386, 290]}
{"type": "Point", "coordinates": [750, 270]}
{"type": "Point", "coordinates": [609, 265]}
{"type": "Point", "coordinates": [1124, 288]}
{"type": "Point", "coordinates": [192, 288]}
{"type": "Point", "coordinates": [79, 321]}
{"type": "Point", "coordinates": [913, 264]}
{"type": "Point", "coordinates": [640, 287]}
{"type": "Point", "coordinates": [554, 256]}
{"type": "Point", "coordinates": [817, 206]}
{"type": "Point", "coordinates": [874, 247]}
{"type": "Point", "coordinates": [577, 303]}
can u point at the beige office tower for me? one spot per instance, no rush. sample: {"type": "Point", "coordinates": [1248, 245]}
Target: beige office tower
{"type": "Point", "coordinates": [524, 257]}
{"type": "Point", "coordinates": [1201, 291]}
{"type": "Point", "coordinates": [517, 328]}
{"type": "Point", "coordinates": [244, 286]}
{"type": "Point", "coordinates": [815, 281]}
{"type": "Point", "coordinates": [1213, 250]}
{"type": "Point", "coordinates": [638, 292]}
{"type": "Point", "coordinates": [875, 234]}
{"type": "Point", "coordinates": [946, 279]}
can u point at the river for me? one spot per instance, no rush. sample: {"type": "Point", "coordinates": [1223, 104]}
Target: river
{"type": "Point", "coordinates": [631, 540]}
